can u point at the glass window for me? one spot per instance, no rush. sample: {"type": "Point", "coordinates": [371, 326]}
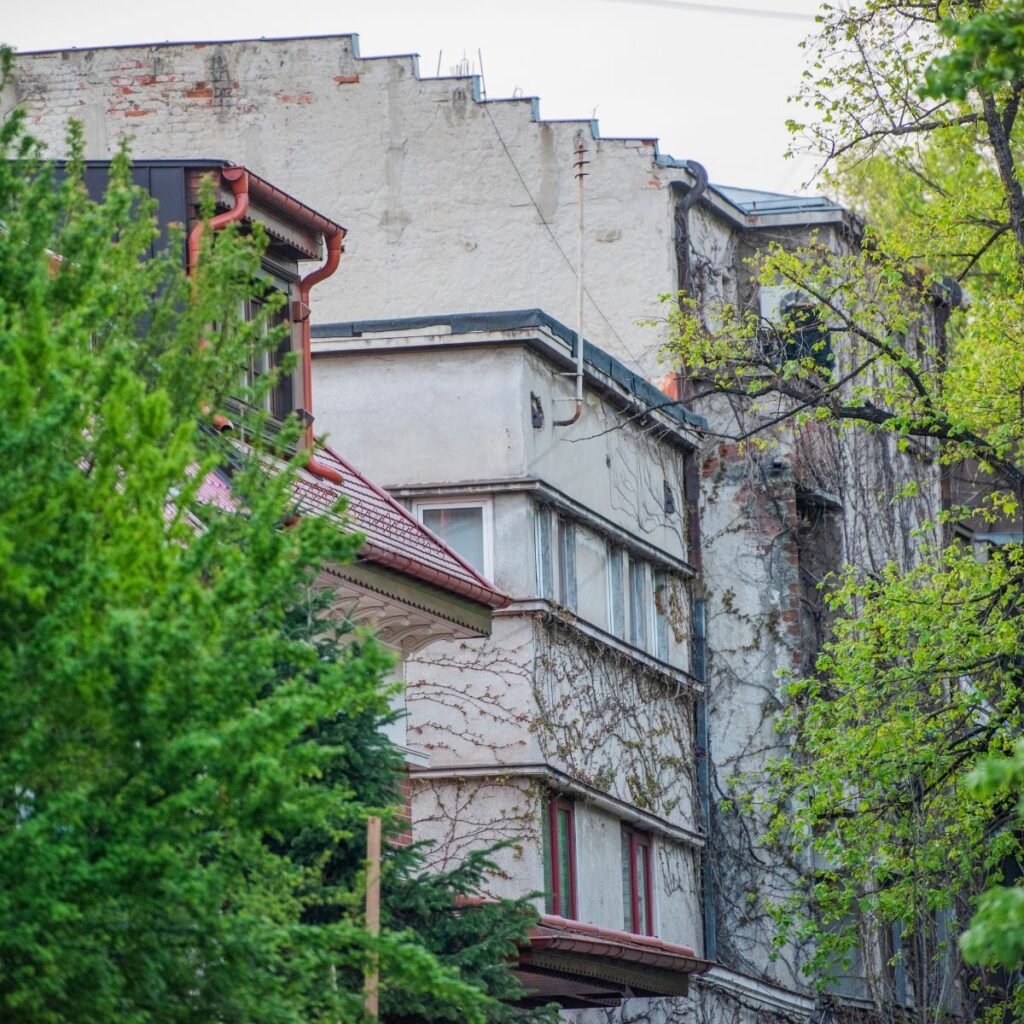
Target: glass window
{"type": "Point", "coordinates": [558, 832]}
{"type": "Point", "coordinates": [567, 564]}
{"type": "Point", "coordinates": [637, 604]}
{"type": "Point", "coordinates": [637, 907]}
{"type": "Point", "coordinates": [465, 528]}
{"type": "Point", "coordinates": [662, 596]}
{"type": "Point", "coordinates": [279, 401]}
{"type": "Point", "coordinates": [616, 594]}
{"type": "Point", "coordinates": [545, 574]}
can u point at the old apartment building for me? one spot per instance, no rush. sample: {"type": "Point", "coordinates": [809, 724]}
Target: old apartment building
{"type": "Point", "coordinates": [658, 574]}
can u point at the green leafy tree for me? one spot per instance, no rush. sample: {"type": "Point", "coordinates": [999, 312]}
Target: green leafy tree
{"type": "Point", "coordinates": [914, 109]}
{"type": "Point", "coordinates": [188, 749]}
{"type": "Point", "coordinates": [997, 929]}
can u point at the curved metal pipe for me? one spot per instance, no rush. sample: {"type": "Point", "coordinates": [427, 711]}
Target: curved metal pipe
{"type": "Point", "coordinates": [238, 181]}
{"type": "Point", "coordinates": [690, 194]}
{"type": "Point", "coordinates": [330, 265]}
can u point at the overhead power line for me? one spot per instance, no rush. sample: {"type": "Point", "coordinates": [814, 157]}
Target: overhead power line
{"type": "Point", "coordinates": [708, 8]}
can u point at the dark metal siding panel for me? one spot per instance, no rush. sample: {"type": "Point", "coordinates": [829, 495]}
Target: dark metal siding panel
{"type": "Point", "coordinates": [165, 182]}
{"type": "Point", "coordinates": [167, 186]}
{"type": "Point", "coordinates": [96, 179]}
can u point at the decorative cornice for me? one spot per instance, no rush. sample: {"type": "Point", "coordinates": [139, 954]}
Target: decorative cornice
{"type": "Point", "coordinates": [396, 612]}
{"type": "Point", "coordinates": [768, 994]}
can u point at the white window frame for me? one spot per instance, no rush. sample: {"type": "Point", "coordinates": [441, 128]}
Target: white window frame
{"type": "Point", "coordinates": [486, 519]}
{"type": "Point", "coordinates": [661, 629]}
{"type": "Point", "coordinates": [616, 556]}
{"type": "Point", "coordinates": [545, 560]}
{"type": "Point", "coordinates": [568, 595]}
{"type": "Point", "coordinates": [639, 602]}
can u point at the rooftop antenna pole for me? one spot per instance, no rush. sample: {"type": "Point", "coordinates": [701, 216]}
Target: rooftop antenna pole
{"type": "Point", "coordinates": [483, 81]}
{"type": "Point", "coordinates": [580, 163]}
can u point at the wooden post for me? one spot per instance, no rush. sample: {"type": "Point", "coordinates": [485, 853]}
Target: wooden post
{"type": "Point", "coordinates": [372, 997]}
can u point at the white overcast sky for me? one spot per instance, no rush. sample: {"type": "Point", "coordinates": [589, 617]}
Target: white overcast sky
{"type": "Point", "coordinates": [707, 79]}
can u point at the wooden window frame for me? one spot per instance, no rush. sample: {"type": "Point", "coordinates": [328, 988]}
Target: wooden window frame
{"type": "Point", "coordinates": [639, 842]}
{"type": "Point", "coordinates": [554, 899]}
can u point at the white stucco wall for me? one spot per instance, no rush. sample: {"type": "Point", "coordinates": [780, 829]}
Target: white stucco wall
{"type": "Point", "coordinates": [388, 409]}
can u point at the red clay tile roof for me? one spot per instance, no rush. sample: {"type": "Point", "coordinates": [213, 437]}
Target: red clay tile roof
{"type": "Point", "coordinates": [394, 537]}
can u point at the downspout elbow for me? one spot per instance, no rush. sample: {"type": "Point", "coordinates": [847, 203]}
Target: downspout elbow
{"type": "Point", "coordinates": [577, 412]}
{"type": "Point", "coordinates": [334, 250]}
{"type": "Point", "coordinates": [238, 181]}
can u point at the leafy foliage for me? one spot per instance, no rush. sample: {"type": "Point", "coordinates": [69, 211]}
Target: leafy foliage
{"type": "Point", "coordinates": [914, 110]}
{"type": "Point", "coordinates": [188, 747]}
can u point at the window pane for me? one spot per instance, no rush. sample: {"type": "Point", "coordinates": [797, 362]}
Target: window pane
{"type": "Point", "coordinates": [627, 886]}
{"type": "Point", "coordinates": [545, 585]}
{"type": "Point", "coordinates": [462, 529]}
{"type": "Point", "coordinates": [545, 828]}
{"type": "Point", "coordinates": [643, 926]}
{"type": "Point", "coordinates": [564, 866]}
{"type": "Point", "coordinates": [661, 600]}
{"type": "Point", "coordinates": [616, 600]}
{"type": "Point", "coordinates": [637, 606]}
{"type": "Point", "coordinates": [567, 564]}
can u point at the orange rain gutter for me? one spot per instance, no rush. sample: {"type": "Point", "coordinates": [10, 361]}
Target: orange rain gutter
{"type": "Point", "coordinates": [334, 251]}
{"type": "Point", "coordinates": [238, 181]}
{"type": "Point", "coordinates": [241, 183]}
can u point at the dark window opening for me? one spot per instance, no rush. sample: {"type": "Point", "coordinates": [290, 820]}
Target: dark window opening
{"type": "Point", "coordinates": [278, 400]}
{"type": "Point", "coordinates": [805, 336]}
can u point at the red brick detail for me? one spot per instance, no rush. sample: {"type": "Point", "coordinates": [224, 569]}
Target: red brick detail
{"type": "Point", "coordinates": [138, 113]}
{"type": "Point", "coordinates": [201, 92]}
{"type": "Point", "coordinates": [304, 97]}
{"type": "Point", "coordinates": [346, 79]}
{"type": "Point", "coordinates": [145, 79]}
{"type": "Point", "coordinates": [672, 386]}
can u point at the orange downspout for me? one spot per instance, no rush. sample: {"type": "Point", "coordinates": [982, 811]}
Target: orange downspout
{"type": "Point", "coordinates": [238, 181]}
{"type": "Point", "coordinates": [334, 251]}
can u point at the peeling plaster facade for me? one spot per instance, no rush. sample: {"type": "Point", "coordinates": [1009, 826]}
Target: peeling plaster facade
{"type": "Point", "coordinates": [458, 205]}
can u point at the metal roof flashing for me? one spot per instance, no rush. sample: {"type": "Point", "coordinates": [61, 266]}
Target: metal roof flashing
{"type": "Point", "coordinates": [753, 208]}
{"type": "Point", "coordinates": [532, 327]}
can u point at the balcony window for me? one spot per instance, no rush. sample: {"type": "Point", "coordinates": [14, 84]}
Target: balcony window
{"type": "Point", "coordinates": [637, 603]}
{"type": "Point", "coordinates": [616, 593]}
{"type": "Point", "coordinates": [637, 902]}
{"type": "Point", "coordinates": [662, 597]}
{"type": "Point", "coordinates": [559, 842]}
{"type": "Point", "coordinates": [545, 573]}
{"type": "Point", "coordinates": [567, 564]}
